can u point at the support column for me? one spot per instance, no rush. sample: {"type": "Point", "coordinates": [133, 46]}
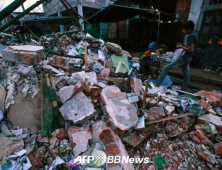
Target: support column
{"type": "Point", "coordinates": [80, 12]}
{"type": "Point", "coordinates": [195, 11]}
{"type": "Point", "coordinates": [62, 29]}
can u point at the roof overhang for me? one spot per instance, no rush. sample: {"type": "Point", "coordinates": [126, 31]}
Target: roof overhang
{"type": "Point", "coordinates": [116, 13]}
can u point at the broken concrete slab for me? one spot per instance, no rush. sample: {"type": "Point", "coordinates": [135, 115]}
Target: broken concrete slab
{"type": "Point", "coordinates": [2, 98]}
{"type": "Point", "coordinates": [9, 146]}
{"type": "Point", "coordinates": [213, 119]}
{"type": "Point", "coordinates": [67, 92]}
{"type": "Point", "coordinates": [77, 109]}
{"type": "Point", "coordinates": [25, 72]}
{"type": "Point", "coordinates": [122, 114]}
{"type": "Point", "coordinates": [80, 137]}
{"type": "Point", "coordinates": [26, 113]}
{"type": "Point", "coordinates": [24, 54]}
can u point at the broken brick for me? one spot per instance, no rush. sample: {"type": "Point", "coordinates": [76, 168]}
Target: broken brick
{"type": "Point", "coordinates": [60, 61]}
{"type": "Point", "coordinates": [195, 139]}
{"type": "Point", "coordinates": [219, 148]}
{"type": "Point", "coordinates": [203, 139]}
{"type": "Point", "coordinates": [205, 105]}
{"type": "Point", "coordinates": [211, 96]}
{"type": "Point", "coordinates": [113, 150]}
{"type": "Point", "coordinates": [60, 133]}
{"type": "Point", "coordinates": [23, 54]}
{"type": "Point", "coordinates": [107, 136]}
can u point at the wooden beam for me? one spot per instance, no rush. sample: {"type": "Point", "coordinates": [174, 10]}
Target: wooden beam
{"type": "Point", "coordinates": [167, 118]}
{"type": "Point", "coordinates": [113, 79]}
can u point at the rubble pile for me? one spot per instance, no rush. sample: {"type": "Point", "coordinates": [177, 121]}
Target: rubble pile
{"type": "Point", "coordinates": [52, 113]}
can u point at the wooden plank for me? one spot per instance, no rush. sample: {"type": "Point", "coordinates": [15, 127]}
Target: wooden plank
{"type": "Point", "coordinates": [168, 118]}
{"type": "Point", "coordinates": [113, 79]}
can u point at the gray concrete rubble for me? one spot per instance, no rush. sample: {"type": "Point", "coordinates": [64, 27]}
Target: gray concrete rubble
{"type": "Point", "coordinates": [122, 114]}
{"type": "Point", "coordinates": [26, 71]}
{"type": "Point", "coordinates": [80, 137]}
{"type": "Point", "coordinates": [77, 108]}
{"type": "Point", "coordinates": [65, 93]}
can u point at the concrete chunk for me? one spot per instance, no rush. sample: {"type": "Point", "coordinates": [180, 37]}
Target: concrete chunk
{"type": "Point", "coordinates": [123, 114]}
{"type": "Point", "coordinates": [77, 109]}
{"type": "Point", "coordinates": [65, 93]}
{"type": "Point", "coordinates": [80, 137]}
{"type": "Point", "coordinates": [26, 71]}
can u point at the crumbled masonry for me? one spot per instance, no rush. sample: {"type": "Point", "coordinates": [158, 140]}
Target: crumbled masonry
{"type": "Point", "coordinates": [54, 110]}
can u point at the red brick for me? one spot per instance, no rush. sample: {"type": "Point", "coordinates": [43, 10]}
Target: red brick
{"type": "Point", "coordinates": [203, 139]}
{"type": "Point", "coordinates": [219, 148]}
{"type": "Point", "coordinates": [195, 139]}
{"type": "Point", "coordinates": [60, 133]}
{"type": "Point", "coordinates": [26, 58]}
{"type": "Point", "coordinates": [60, 61]}
{"type": "Point", "coordinates": [107, 136]}
{"type": "Point", "coordinates": [205, 105]}
{"type": "Point", "coordinates": [113, 150]}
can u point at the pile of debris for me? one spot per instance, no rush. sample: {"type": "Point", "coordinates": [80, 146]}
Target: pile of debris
{"type": "Point", "coordinates": [51, 113]}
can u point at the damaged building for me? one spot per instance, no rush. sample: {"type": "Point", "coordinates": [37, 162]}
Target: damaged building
{"type": "Point", "coordinates": [75, 101]}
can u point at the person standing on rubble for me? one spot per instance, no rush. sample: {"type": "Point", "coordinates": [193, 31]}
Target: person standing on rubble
{"type": "Point", "coordinates": [150, 60]}
{"type": "Point", "coordinates": [186, 56]}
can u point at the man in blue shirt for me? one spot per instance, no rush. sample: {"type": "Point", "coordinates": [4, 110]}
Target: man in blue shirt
{"type": "Point", "coordinates": [186, 56]}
